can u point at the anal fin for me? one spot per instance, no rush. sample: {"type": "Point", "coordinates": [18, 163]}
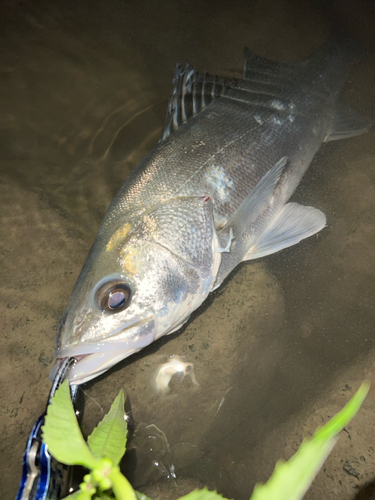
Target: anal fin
{"type": "Point", "coordinates": [346, 122]}
{"type": "Point", "coordinates": [292, 224]}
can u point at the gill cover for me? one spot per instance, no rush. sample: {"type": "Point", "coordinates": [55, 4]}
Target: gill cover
{"type": "Point", "coordinates": [138, 284]}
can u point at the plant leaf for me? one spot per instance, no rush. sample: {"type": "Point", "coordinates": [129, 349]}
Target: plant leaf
{"type": "Point", "coordinates": [204, 494]}
{"type": "Point", "coordinates": [79, 495]}
{"type": "Point", "coordinates": [343, 417]}
{"type": "Point", "coordinates": [62, 434]}
{"type": "Point", "coordinates": [141, 496]}
{"type": "Point", "coordinates": [72, 496]}
{"type": "Point", "coordinates": [291, 479]}
{"type": "Point", "coordinates": [105, 496]}
{"type": "Point", "coordinates": [121, 487]}
{"type": "Point", "coordinates": [108, 439]}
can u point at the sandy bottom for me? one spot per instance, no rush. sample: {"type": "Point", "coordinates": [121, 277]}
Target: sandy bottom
{"type": "Point", "coordinates": [282, 345]}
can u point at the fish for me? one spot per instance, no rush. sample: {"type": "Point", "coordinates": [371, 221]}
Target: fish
{"type": "Point", "coordinates": [214, 192]}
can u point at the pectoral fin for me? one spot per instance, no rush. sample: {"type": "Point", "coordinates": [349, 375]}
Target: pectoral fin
{"type": "Point", "coordinates": [255, 202]}
{"type": "Point", "coordinates": [293, 223]}
{"type": "Point", "coordinates": [238, 233]}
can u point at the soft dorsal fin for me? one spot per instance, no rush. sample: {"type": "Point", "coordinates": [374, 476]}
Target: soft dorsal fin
{"type": "Point", "coordinates": [262, 63]}
{"type": "Point", "coordinates": [260, 67]}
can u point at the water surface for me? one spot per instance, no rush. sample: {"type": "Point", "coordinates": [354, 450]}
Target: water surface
{"type": "Point", "coordinates": [283, 344]}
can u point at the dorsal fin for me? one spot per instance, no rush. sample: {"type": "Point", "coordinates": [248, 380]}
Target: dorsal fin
{"type": "Point", "coordinates": [259, 66]}
{"type": "Point", "coordinates": [263, 81]}
{"type": "Point", "coordinates": [192, 92]}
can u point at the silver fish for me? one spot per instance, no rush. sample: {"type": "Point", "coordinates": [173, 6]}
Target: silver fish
{"type": "Point", "coordinates": [213, 193]}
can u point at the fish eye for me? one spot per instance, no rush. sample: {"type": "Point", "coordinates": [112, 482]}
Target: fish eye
{"type": "Point", "coordinates": [114, 296]}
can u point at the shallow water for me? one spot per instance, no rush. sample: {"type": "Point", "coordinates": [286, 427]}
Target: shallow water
{"type": "Point", "coordinates": [283, 344]}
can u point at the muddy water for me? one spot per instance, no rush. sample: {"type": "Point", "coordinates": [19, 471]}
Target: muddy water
{"type": "Point", "coordinates": [283, 344]}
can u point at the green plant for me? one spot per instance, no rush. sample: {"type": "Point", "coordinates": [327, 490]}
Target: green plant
{"type": "Point", "coordinates": [107, 443]}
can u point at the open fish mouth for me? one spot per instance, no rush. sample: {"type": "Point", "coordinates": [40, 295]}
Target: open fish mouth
{"type": "Point", "coordinates": [95, 358]}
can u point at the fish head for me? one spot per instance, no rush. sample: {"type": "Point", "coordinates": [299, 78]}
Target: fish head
{"type": "Point", "coordinates": [132, 290]}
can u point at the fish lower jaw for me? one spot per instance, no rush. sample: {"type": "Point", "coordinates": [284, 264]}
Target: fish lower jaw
{"type": "Point", "coordinates": [90, 366]}
{"type": "Point", "coordinates": [95, 358]}
{"type": "Point", "coordinates": [58, 363]}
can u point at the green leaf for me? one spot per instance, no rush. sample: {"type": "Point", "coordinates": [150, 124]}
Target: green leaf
{"type": "Point", "coordinates": [62, 434]}
{"type": "Point", "coordinates": [77, 495]}
{"type": "Point", "coordinates": [204, 494]}
{"type": "Point", "coordinates": [291, 479]}
{"type": "Point", "coordinates": [105, 496]}
{"type": "Point", "coordinates": [339, 421]}
{"type": "Point", "coordinates": [120, 485]}
{"type": "Point", "coordinates": [108, 439]}
{"type": "Point", "coordinates": [84, 495]}
{"type": "Point", "coordinates": [80, 495]}
{"type": "Point", "coordinates": [72, 496]}
{"type": "Point", "coordinates": [141, 496]}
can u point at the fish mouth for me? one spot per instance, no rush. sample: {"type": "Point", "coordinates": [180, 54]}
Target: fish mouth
{"type": "Point", "coordinates": [95, 358]}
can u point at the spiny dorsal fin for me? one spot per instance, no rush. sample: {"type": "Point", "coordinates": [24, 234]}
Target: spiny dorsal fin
{"type": "Point", "coordinates": [192, 92]}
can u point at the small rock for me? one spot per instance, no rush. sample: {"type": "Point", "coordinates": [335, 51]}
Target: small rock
{"type": "Point", "coordinates": [350, 469]}
{"type": "Point", "coordinates": [44, 359]}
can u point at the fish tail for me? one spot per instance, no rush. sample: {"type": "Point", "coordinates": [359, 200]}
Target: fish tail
{"type": "Point", "coordinates": [332, 62]}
